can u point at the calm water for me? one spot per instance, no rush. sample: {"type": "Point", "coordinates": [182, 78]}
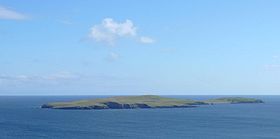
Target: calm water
{"type": "Point", "coordinates": [21, 118]}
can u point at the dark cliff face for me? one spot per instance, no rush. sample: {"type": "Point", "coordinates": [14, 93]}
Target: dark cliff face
{"type": "Point", "coordinates": [46, 106]}
{"type": "Point", "coordinates": [115, 105]}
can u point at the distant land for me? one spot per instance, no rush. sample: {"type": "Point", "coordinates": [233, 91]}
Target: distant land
{"type": "Point", "coordinates": [144, 101]}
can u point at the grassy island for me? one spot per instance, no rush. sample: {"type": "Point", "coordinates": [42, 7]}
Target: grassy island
{"type": "Point", "coordinates": [234, 100]}
{"type": "Point", "coordinates": [145, 101]}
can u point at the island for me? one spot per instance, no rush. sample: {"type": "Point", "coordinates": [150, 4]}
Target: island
{"type": "Point", "coordinates": [144, 101]}
{"type": "Point", "coordinates": [233, 100]}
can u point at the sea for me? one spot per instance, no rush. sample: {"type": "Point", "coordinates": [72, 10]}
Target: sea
{"type": "Point", "coordinates": [22, 118]}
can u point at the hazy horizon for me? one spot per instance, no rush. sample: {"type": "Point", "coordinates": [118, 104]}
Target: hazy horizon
{"type": "Point", "coordinates": [139, 47]}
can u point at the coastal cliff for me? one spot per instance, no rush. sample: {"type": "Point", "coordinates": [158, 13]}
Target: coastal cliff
{"type": "Point", "coordinates": [145, 101]}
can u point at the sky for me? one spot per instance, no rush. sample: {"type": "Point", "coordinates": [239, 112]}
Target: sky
{"type": "Point", "coordinates": [124, 47]}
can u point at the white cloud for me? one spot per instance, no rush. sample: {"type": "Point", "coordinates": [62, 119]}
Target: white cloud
{"type": "Point", "coordinates": [9, 14]}
{"type": "Point", "coordinates": [113, 57]}
{"type": "Point", "coordinates": [272, 66]}
{"type": "Point", "coordinates": [146, 40]}
{"type": "Point", "coordinates": [61, 76]}
{"type": "Point", "coordinates": [66, 22]}
{"type": "Point", "coordinates": [51, 77]}
{"type": "Point", "coordinates": [109, 31]}
{"type": "Point", "coordinates": [275, 57]}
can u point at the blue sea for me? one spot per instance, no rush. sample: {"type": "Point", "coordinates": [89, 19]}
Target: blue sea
{"type": "Point", "coordinates": [22, 118]}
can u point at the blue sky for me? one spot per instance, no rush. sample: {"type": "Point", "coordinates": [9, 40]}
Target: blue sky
{"type": "Point", "coordinates": [195, 47]}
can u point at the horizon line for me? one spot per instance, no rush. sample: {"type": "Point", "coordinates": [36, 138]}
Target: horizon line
{"type": "Point", "coordinates": [144, 94]}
